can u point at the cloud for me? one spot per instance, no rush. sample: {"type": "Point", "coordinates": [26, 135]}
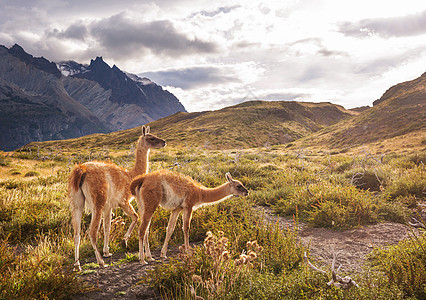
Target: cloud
{"type": "Point", "coordinates": [217, 11]}
{"type": "Point", "coordinates": [76, 32]}
{"type": "Point", "coordinates": [120, 35]}
{"type": "Point", "coordinates": [192, 77]}
{"type": "Point", "coordinates": [313, 46]}
{"type": "Point", "coordinates": [410, 25]}
{"type": "Point", "coordinates": [206, 75]}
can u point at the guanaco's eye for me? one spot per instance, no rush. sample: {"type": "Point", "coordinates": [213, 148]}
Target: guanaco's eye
{"type": "Point", "coordinates": [239, 186]}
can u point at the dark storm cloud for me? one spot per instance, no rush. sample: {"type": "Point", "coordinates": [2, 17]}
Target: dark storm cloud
{"type": "Point", "coordinates": [122, 36]}
{"type": "Point", "coordinates": [190, 77]}
{"type": "Point", "coordinates": [75, 31]}
{"type": "Point", "coordinates": [386, 27]}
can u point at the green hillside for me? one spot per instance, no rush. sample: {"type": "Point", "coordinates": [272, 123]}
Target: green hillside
{"type": "Point", "coordinates": [399, 112]}
{"type": "Point", "coordinates": [249, 124]}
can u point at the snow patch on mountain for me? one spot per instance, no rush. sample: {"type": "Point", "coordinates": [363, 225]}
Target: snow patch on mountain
{"type": "Point", "coordinates": [69, 68]}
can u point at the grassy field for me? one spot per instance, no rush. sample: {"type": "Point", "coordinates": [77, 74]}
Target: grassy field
{"type": "Point", "coordinates": [338, 190]}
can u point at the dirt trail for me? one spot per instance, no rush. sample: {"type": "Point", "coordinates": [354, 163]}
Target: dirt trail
{"type": "Point", "coordinates": [351, 246]}
{"type": "Point", "coordinates": [118, 281]}
{"type": "Point", "coordinates": [122, 281]}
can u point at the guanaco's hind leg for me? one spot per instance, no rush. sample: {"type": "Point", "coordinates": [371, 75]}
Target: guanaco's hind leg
{"type": "Point", "coordinates": [93, 233]}
{"type": "Point", "coordinates": [186, 220]}
{"type": "Point", "coordinates": [146, 220]}
{"type": "Point", "coordinates": [77, 207]}
{"type": "Point", "coordinates": [170, 228]}
{"type": "Point", "coordinates": [148, 254]}
{"type": "Point", "coordinates": [107, 230]}
{"type": "Point", "coordinates": [130, 211]}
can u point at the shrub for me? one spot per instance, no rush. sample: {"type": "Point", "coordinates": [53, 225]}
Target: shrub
{"type": "Point", "coordinates": [341, 207]}
{"type": "Point", "coordinates": [31, 174]}
{"type": "Point", "coordinates": [209, 270]}
{"type": "Point", "coordinates": [366, 179]}
{"type": "Point", "coordinates": [4, 161]}
{"type": "Point", "coordinates": [408, 184]}
{"type": "Point", "coordinates": [418, 158]}
{"type": "Point", "coordinates": [404, 265]}
{"type": "Point", "coordinates": [214, 271]}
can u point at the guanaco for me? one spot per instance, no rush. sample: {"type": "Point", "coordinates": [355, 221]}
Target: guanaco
{"type": "Point", "coordinates": [102, 186]}
{"type": "Point", "coordinates": [175, 192]}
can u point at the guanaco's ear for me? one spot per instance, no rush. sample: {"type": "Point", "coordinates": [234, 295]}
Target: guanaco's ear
{"type": "Point", "coordinates": [145, 130]}
{"type": "Point", "coordinates": [229, 177]}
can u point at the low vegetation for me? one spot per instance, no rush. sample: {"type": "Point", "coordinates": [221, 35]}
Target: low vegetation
{"type": "Point", "coordinates": [240, 257]}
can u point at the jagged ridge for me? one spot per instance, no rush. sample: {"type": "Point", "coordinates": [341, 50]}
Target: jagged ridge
{"type": "Point", "coordinates": [41, 100]}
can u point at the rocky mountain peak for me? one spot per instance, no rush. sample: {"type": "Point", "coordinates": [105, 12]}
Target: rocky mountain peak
{"type": "Point", "coordinates": [38, 62]}
{"type": "Point", "coordinates": [79, 100]}
{"type": "Point", "coordinates": [99, 64]}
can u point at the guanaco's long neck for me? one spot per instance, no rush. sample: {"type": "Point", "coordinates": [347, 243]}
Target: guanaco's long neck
{"type": "Point", "coordinates": [215, 194]}
{"type": "Point", "coordinates": [141, 163]}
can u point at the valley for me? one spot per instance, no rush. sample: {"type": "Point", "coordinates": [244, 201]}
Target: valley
{"type": "Point", "coordinates": [320, 183]}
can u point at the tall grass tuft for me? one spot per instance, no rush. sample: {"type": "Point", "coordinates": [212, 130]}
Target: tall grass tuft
{"type": "Point", "coordinates": [404, 265]}
{"type": "Point", "coordinates": [41, 273]}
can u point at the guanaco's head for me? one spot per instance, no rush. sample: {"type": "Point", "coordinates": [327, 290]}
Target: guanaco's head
{"type": "Point", "coordinates": [237, 188]}
{"type": "Point", "coordinates": [149, 141]}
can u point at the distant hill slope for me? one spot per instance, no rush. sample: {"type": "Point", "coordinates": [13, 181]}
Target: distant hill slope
{"type": "Point", "coordinates": [39, 101]}
{"type": "Point", "coordinates": [249, 124]}
{"type": "Point", "coordinates": [401, 110]}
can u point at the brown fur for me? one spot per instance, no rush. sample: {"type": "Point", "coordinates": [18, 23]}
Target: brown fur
{"type": "Point", "coordinates": [102, 186]}
{"type": "Point", "coordinates": [76, 176]}
{"type": "Point", "coordinates": [175, 192]}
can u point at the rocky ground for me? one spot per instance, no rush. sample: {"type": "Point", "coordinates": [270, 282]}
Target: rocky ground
{"type": "Point", "coordinates": [351, 246]}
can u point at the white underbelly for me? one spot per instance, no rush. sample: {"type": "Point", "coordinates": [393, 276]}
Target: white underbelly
{"type": "Point", "coordinates": [170, 199]}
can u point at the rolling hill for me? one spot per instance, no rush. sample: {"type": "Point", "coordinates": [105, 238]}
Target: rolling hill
{"type": "Point", "coordinates": [249, 124]}
{"type": "Point", "coordinates": [397, 119]}
{"type": "Point", "coordinates": [400, 111]}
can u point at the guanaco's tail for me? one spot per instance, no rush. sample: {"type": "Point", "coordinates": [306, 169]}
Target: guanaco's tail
{"type": "Point", "coordinates": [76, 178]}
{"type": "Point", "coordinates": [136, 183]}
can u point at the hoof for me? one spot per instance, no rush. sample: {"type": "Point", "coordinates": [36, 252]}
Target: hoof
{"type": "Point", "coordinates": [150, 259]}
{"type": "Point", "coordinates": [107, 254]}
{"type": "Point", "coordinates": [77, 267]}
{"type": "Point", "coordinates": [143, 262]}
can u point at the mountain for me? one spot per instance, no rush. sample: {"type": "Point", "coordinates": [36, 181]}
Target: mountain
{"type": "Point", "coordinates": [400, 111]}
{"type": "Point", "coordinates": [34, 105]}
{"type": "Point", "coordinates": [120, 99]}
{"type": "Point", "coordinates": [249, 124]}
{"type": "Point", "coordinates": [39, 101]}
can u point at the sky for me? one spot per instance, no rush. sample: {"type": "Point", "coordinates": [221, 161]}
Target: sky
{"type": "Point", "coordinates": [213, 54]}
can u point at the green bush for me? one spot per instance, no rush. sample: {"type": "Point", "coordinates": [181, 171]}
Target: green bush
{"type": "Point", "coordinates": [342, 207]}
{"type": "Point", "coordinates": [404, 265]}
{"type": "Point", "coordinates": [408, 184]}
{"type": "Point", "coordinates": [4, 161]}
